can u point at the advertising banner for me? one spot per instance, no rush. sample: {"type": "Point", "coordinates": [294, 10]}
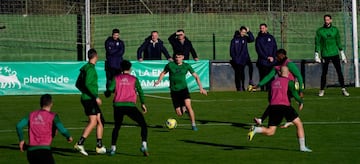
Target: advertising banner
{"type": "Point", "coordinates": [32, 78]}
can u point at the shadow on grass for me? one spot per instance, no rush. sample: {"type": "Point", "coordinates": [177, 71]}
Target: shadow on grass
{"type": "Point", "coordinates": [236, 124]}
{"type": "Point", "coordinates": [55, 150]}
{"type": "Point", "coordinates": [235, 147]}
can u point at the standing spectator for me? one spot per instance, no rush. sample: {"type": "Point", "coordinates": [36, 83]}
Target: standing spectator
{"type": "Point", "coordinates": [181, 44]}
{"type": "Point", "coordinates": [126, 88]}
{"type": "Point", "coordinates": [240, 56]}
{"type": "Point", "coordinates": [115, 50]}
{"type": "Point", "coordinates": [179, 91]}
{"type": "Point", "coordinates": [42, 125]}
{"type": "Point", "coordinates": [280, 107]}
{"type": "Point", "coordinates": [152, 48]}
{"type": "Point", "coordinates": [266, 47]}
{"type": "Point", "coordinates": [328, 44]}
{"type": "Point", "coordinates": [90, 101]}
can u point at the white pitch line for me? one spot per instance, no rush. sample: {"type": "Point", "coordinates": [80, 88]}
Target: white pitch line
{"type": "Point", "coordinates": [208, 124]}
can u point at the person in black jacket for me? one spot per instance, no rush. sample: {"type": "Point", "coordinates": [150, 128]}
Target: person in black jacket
{"type": "Point", "coordinates": [181, 44]}
{"type": "Point", "coordinates": [152, 48]}
{"type": "Point", "coordinates": [266, 48]}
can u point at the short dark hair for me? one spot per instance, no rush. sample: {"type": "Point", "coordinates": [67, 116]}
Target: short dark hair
{"type": "Point", "coordinates": [263, 24]}
{"type": "Point", "coordinates": [243, 28]}
{"type": "Point", "coordinates": [180, 30]}
{"type": "Point", "coordinates": [115, 30]}
{"type": "Point", "coordinates": [125, 65]}
{"type": "Point", "coordinates": [154, 32]}
{"type": "Point", "coordinates": [281, 51]}
{"type": "Point", "coordinates": [45, 100]}
{"type": "Point", "coordinates": [91, 53]}
{"type": "Point", "coordinates": [327, 15]}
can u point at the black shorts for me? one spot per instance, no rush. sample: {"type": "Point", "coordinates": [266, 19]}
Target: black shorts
{"type": "Point", "coordinates": [40, 156]}
{"type": "Point", "coordinates": [278, 112]}
{"type": "Point", "coordinates": [90, 107]}
{"type": "Point", "coordinates": [178, 97]}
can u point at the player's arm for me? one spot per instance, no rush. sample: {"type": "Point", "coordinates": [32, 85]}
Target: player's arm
{"type": "Point", "coordinates": [250, 37]}
{"type": "Point", "coordinates": [19, 126]}
{"type": "Point", "coordinates": [90, 74]}
{"type": "Point", "coordinates": [267, 78]}
{"type": "Point", "coordinates": [162, 74]}
{"type": "Point", "coordinates": [338, 40]}
{"type": "Point", "coordinates": [317, 41]}
{"type": "Point", "coordinates": [140, 91]}
{"type": "Point", "coordinates": [172, 38]}
{"type": "Point", "coordinates": [193, 52]}
{"type": "Point", "coordinates": [60, 127]}
{"type": "Point", "coordinates": [295, 71]}
{"type": "Point", "coordinates": [141, 49]}
{"type": "Point", "coordinates": [197, 78]}
{"type": "Point", "coordinates": [294, 92]}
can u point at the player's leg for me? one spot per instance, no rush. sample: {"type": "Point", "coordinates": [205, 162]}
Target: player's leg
{"type": "Point", "coordinates": [118, 119]}
{"type": "Point", "coordinates": [337, 65]}
{"type": "Point", "coordinates": [138, 117]}
{"type": "Point", "coordinates": [191, 113]}
{"type": "Point", "coordinates": [177, 102]}
{"type": "Point", "coordinates": [89, 108]}
{"type": "Point", "coordinates": [251, 69]}
{"type": "Point", "coordinates": [242, 77]}
{"type": "Point", "coordinates": [325, 66]}
{"type": "Point", "coordinates": [99, 133]}
{"type": "Point", "coordinates": [237, 76]}
{"type": "Point", "coordinates": [301, 135]}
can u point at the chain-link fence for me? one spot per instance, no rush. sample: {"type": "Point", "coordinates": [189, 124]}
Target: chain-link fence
{"type": "Point", "coordinates": [34, 30]}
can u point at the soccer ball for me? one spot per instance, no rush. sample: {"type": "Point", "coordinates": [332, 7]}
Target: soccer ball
{"type": "Point", "coordinates": [171, 123]}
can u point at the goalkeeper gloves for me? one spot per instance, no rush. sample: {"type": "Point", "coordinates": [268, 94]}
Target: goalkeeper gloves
{"type": "Point", "coordinates": [342, 56]}
{"type": "Point", "coordinates": [317, 58]}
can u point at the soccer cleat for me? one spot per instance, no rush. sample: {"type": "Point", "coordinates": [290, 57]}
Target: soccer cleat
{"type": "Point", "coordinates": [194, 128]}
{"type": "Point", "coordinates": [251, 133]}
{"type": "Point", "coordinates": [81, 149]}
{"type": "Point", "coordinates": [144, 150]}
{"type": "Point", "coordinates": [344, 92]}
{"type": "Point", "coordinates": [321, 93]}
{"type": "Point", "coordinates": [258, 121]}
{"type": "Point", "coordinates": [287, 124]}
{"type": "Point", "coordinates": [100, 150]}
{"type": "Point", "coordinates": [305, 149]}
{"type": "Point", "coordinates": [112, 152]}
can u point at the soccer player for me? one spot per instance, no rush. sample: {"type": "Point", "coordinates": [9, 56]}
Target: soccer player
{"type": "Point", "coordinates": [280, 107]}
{"type": "Point", "coordinates": [152, 48]}
{"type": "Point", "coordinates": [179, 91]}
{"type": "Point", "coordinates": [42, 125]}
{"type": "Point", "coordinates": [266, 47]}
{"type": "Point", "coordinates": [328, 44]}
{"type": "Point", "coordinates": [90, 101]}
{"type": "Point", "coordinates": [240, 57]}
{"type": "Point", "coordinates": [126, 88]}
{"type": "Point", "coordinates": [115, 49]}
{"type": "Point", "coordinates": [294, 74]}
{"type": "Point", "coordinates": [181, 44]}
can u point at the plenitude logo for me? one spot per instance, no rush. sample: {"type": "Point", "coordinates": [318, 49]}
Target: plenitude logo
{"type": "Point", "coordinates": [46, 79]}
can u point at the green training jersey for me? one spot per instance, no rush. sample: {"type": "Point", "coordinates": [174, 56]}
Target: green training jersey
{"type": "Point", "coordinates": [327, 41]}
{"type": "Point", "coordinates": [177, 75]}
{"type": "Point", "coordinates": [91, 82]}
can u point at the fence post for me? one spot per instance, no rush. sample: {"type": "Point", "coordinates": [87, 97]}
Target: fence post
{"type": "Point", "coordinates": [214, 49]}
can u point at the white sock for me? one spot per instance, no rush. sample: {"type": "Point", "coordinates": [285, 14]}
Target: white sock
{"type": "Point", "coordinates": [258, 130]}
{"type": "Point", "coordinates": [302, 143]}
{"type": "Point", "coordinates": [193, 124]}
{"type": "Point", "coordinates": [144, 144]}
{"type": "Point", "coordinates": [113, 147]}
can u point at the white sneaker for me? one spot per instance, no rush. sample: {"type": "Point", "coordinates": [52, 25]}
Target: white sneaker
{"type": "Point", "coordinates": [305, 149]}
{"type": "Point", "coordinates": [344, 92]}
{"type": "Point", "coordinates": [258, 121]}
{"type": "Point", "coordinates": [321, 93]}
{"type": "Point", "coordinates": [101, 150]}
{"type": "Point", "coordinates": [81, 149]}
